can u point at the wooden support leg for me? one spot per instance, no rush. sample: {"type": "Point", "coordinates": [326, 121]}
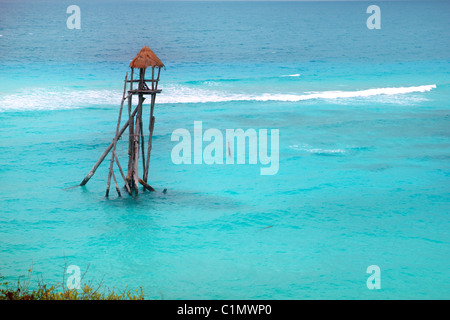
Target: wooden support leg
{"type": "Point", "coordinates": [135, 163]}
{"type": "Point", "coordinates": [137, 136]}
{"type": "Point", "coordinates": [105, 153]}
{"type": "Point", "coordinates": [130, 143]}
{"type": "Point", "coordinates": [151, 127]}
{"type": "Point", "coordinates": [146, 186]}
{"type": "Point", "coordinates": [142, 144]}
{"type": "Point", "coordinates": [149, 150]}
{"type": "Point", "coordinates": [123, 176]}
{"type": "Point", "coordinates": [115, 182]}
{"type": "Point", "coordinates": [111, 163]}
{"type": "Point", "coordinates": [121, 173]}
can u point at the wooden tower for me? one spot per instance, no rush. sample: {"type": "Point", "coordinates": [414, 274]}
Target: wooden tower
{"type": "Point", "coordinates": [136, 143]}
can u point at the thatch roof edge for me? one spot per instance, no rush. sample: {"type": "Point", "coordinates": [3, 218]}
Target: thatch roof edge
{"type": "Point", "coordinates": [145, 58]}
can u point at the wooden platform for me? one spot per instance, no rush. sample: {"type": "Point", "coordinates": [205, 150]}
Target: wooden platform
{"type": "Point", "coordinates": [136, 91]}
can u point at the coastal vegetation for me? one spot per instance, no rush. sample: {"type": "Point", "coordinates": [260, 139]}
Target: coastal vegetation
{"type": "Point", "coordinates": [21, 290]}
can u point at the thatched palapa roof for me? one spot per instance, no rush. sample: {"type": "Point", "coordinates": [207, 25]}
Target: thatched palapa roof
{"type": "Point", "coordinates": [145, 58]}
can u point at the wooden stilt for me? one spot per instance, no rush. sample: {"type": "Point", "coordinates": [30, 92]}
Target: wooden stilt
{"type": "Point", "coordinates": [121, 173]}
{"type": "Point", "coordinates": [146, 186]}
{"type": "Point", "coordinates": [105, 153]}
{"type": "Point", "coordinates": [130, 145]}
{"type": "Point", "coordinates": [142, 144]}
{"type": "Point", "coordinates": [151, 127]}
{"type": "Point", "coordinates": [141, 78]}
{"type": "Point", "coordinates": [130, 132]}
{"type": "Point", "coordinates": [115, 182]}
{"type": "Point", "coordinates": [153, 78]}
{"type": "Point", "coordinates": [157, 79]}
{"type": "Point", "coordinates": [135, 163]}
{"type": "Point", "coordinates": [111, 172]}
{"type": "Point", "coordinates": [149, 149]}
{"type": "Point", "coordinates": [137, 137]}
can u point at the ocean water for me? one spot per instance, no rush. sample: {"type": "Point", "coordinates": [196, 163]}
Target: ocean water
{"type": "Point", "coordinates": [364, 148]}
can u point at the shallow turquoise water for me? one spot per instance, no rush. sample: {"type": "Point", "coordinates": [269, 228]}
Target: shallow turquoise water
{"type": "Point", "coordinates": [362, 180]}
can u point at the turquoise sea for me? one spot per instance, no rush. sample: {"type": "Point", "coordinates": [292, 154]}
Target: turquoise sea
{"type": "Point", "coordinates": [364, 148]}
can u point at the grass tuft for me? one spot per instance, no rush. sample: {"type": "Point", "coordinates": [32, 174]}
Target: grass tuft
{"type": "Point", "coordinates": [21, 291]}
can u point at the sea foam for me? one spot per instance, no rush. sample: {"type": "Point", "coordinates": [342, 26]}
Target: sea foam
{"type": "Point", "coordinates": [320, 151]}
{"type": "Point", "coordinates": [67, 98]}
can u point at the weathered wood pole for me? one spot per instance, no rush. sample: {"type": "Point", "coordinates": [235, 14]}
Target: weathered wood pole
{"type": "Point", "coordinates": [136, 140]}
{"type": "Point", "coordinates": [115, 182]}
{"type": "Point", "coordinates": [130, 133]}
{"type": "Point", "coordinates": [157, 79]}
{"type": "Point", "coordinates": [146, 186]}
{"type": "Point", "coordinates": [150, 127]}
{"type": "Point", "coordinates": [142, 143]}
{"type": "Point", "coordinates": [153, 78]}
{"type": "Point", "coordinates": [111, 163]}
{"type": "Point", "coordinates": [134, 165]}
{"type": "Point", "coordinates": [121, 173]}
{"type": "Point", "coordinates": [105, 153]}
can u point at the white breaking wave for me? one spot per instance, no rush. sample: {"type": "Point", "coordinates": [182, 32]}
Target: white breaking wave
{"type": "Point", "coordinates": [46, 99]}
{"type": "Point", "coordinates": [341, 94]}
{"type": "Point", "coordinates": [66, 98]}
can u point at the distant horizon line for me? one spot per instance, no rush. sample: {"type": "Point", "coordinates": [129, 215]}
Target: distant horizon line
{"type": "Point", "coordinates": [247, 0]}
{"type": "Point", "coordinates": [287, 0]}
